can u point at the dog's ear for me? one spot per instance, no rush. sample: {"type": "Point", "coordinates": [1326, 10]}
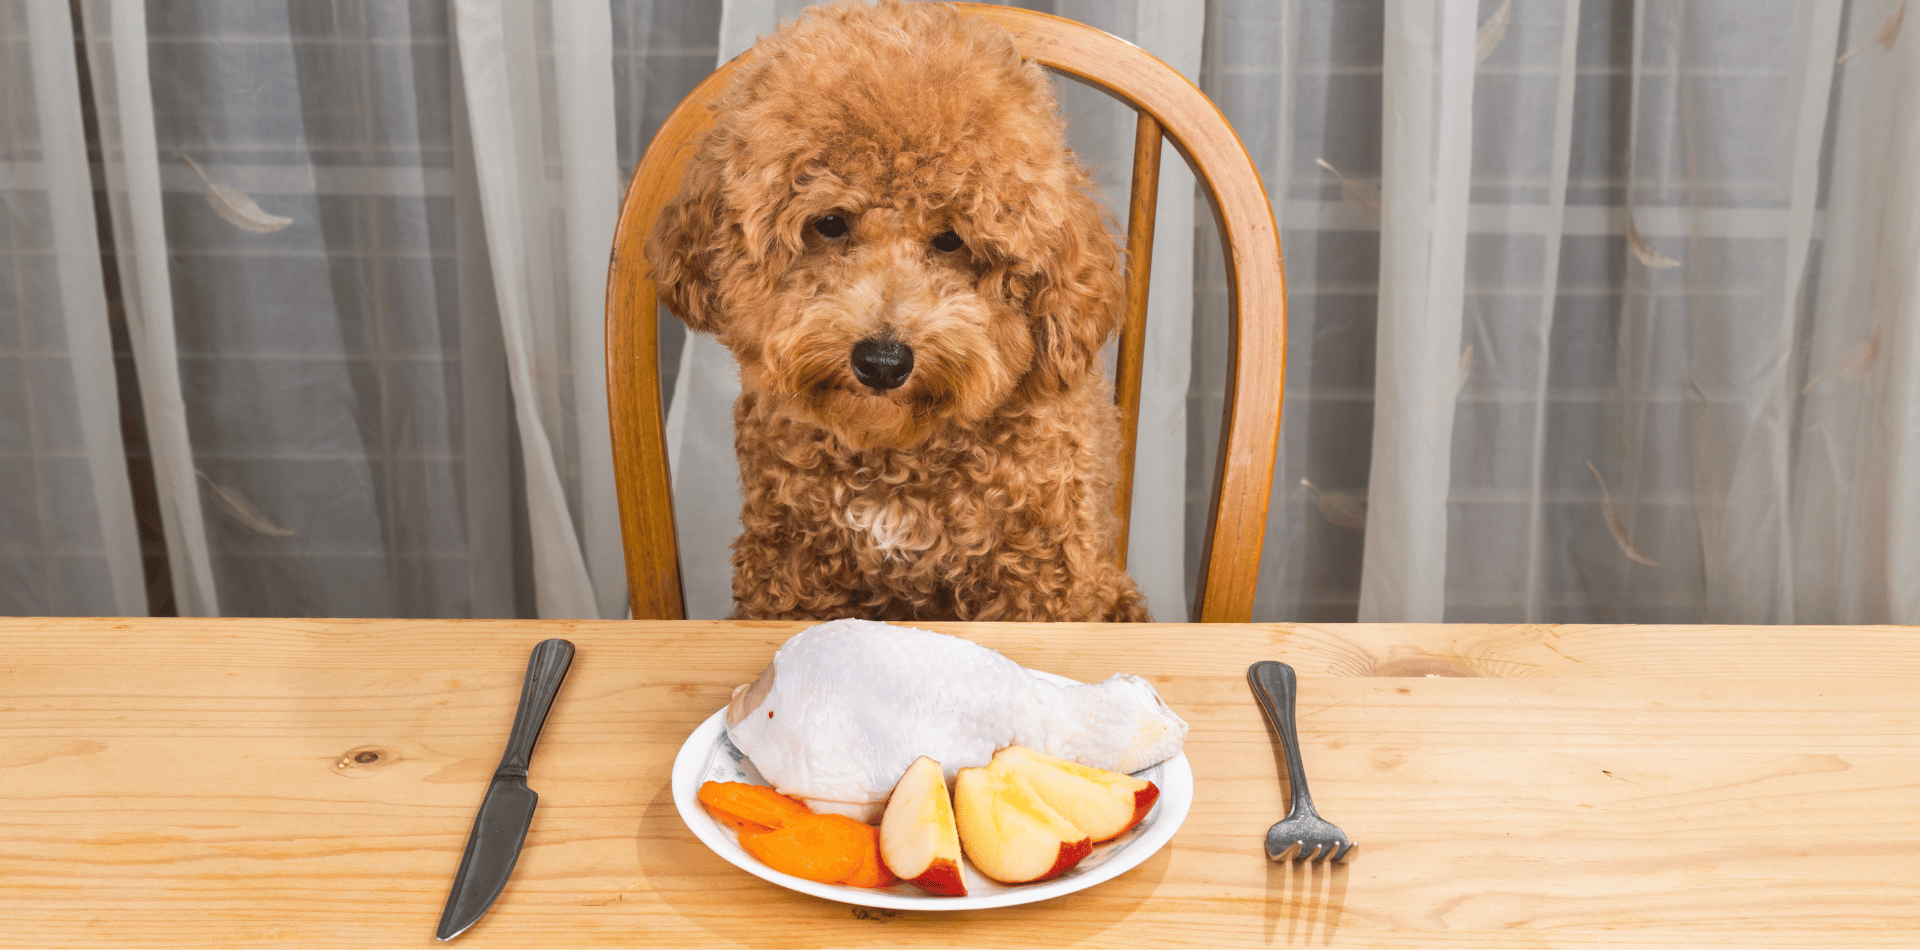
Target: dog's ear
{"type": "Point", "coordinates": [684, 245]}
{"type": "Point", "coordinates": [1077, 302]}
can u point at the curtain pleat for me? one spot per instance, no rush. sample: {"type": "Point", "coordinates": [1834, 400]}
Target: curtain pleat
{"type": "Point", "coordinates": [117, 53]}
{"type": "Point", "coordinates": [1857, 470]}
{"type": "Point", "coordinates": [1533, 552]}
{"type": "Point", "coordinates": [486, 418]}
{"type": "Point", "coordinates": [75, 558]}
{"type": "Point", "coordinates": [591, 188]}
{"type": "Point", "coordinates": [1710, 317]}
{"type": "Point", "coordinates": [1427, 143]}
{"type": "Point", "coordinates": [1815, 82]}
{"type": "Point", "coordinates": [500, 69]}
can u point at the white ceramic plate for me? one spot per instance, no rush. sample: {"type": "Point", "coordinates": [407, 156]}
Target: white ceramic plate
{"type": "Point", "coordinates": [708, 756]}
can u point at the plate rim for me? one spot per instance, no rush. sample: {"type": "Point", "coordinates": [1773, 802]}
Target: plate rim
{"type": "Point", "coordinates": [1176, 800]}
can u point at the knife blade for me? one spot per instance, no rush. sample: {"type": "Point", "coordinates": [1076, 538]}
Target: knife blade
{"type": "Point", "coordinates": [500, 828]}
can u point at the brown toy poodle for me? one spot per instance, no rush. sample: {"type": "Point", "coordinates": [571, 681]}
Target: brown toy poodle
{"type": "Point", "coordinates": [886, 228]}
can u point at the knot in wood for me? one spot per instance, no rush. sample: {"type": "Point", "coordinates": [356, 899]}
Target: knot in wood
{"type": "Point", "coordinates": [363, 761]}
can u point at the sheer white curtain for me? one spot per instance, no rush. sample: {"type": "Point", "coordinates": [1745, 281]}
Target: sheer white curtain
{"type": "Point", "coordinates": [1621, 294]}
{"type": "Point", "coordinates": [361, 252]}
{"type": "Point", "coordinates": [1600, 310]}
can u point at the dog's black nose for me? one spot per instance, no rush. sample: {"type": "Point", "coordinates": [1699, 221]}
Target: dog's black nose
{"type": "Point", "coordinates": [882, 363]}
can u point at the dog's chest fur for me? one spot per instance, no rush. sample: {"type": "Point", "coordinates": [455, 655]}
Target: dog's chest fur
{"type": "Point", "coordinates": [931, 507]}
{"type": "Point", "coordinates": [882, 524]}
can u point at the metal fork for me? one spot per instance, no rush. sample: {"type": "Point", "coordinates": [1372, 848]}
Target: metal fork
{"type": "Point", "coordinates": [1303, 835]}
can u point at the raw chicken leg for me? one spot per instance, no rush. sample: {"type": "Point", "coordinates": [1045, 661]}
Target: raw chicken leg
{"type": "Point", "coordinates": [846, 706]}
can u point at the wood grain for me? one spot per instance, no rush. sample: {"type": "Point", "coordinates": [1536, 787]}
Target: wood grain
{"type": "Point", "coordinates": [1167, 103]}
{"type": "Point", "coordinates": [265, 783]}
{"type": "Point", "coordinates": [1131, 355]}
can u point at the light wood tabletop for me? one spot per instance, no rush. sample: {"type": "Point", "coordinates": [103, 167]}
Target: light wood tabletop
{"type": "Point", "coordinates": [265, 783]}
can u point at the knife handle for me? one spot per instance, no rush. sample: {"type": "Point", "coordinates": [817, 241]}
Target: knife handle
{"type": "Point", "coordinates": [545, 670]}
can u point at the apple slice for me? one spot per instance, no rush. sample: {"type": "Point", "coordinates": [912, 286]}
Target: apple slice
{"type": "Point", "coordinates": [1102, 803]}
{"type": "Point", "coordinates": [918, 839]}
{"type": "Point", "coordinates": [1010, 834]}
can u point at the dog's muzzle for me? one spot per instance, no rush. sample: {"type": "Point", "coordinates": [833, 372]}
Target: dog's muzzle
{"type": "Point", "coordinates": [882, 363]}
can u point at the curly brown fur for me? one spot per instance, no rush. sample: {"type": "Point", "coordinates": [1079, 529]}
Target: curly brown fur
{"type": "Point", "coordinates": [815, 216]}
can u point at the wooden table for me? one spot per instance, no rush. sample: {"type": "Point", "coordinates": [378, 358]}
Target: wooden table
{"type": "Point", "coordinates": [264, 783]}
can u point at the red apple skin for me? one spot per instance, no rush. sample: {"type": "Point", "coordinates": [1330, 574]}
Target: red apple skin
{"type": "Point", "coordinates": [922, 800]}
{"type": "Point", "coordinates": [1143, 800]}
{"type": "Point", "coordinates": [1071, 853]}
{"type": "Point", "coordinates": [978, 793]}
{"type": "Point", "coordinates": [1142, 803]}
{"type": "Point", "coordinates": [941, 879]}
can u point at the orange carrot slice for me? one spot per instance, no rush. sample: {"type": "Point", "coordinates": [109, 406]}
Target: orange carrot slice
{"type": "Point", "coordinates": [786, 836]}
{"type": "Point", "coordinates": [873, 871]}
{"type": "Point", "coordinates": [823, 848]}
{"type": "Point", "coordinates": [738, 804]}
{"type": "Point", "coordinates": [738, 824]}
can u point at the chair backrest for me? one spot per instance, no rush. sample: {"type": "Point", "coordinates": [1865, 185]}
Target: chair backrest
{"type": "Point", "coordinates": [1168, 106]}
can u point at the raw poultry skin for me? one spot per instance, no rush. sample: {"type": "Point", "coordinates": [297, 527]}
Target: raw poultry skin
{"type": "Point", "coordinates": [847, 705]}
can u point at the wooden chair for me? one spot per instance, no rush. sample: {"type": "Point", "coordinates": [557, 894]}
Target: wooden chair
{"type": "Point", "coordinates": [1168, 105]}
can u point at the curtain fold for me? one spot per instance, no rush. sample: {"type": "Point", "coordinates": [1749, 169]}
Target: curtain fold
{"type": "Point", "coordinates": [116, 35]}
{"type": "Point", "coordinates": [591, 191]}
{"type": "Point", "coordinates": [545, 275]}
{"type": "Point", "coordinates": [486, 407]}
{"type": "Point", "coordinates": [1717, 213]}
{"type": "Point", "coordinates": [68, 541]}
{"type": "Point", "coordinates": [1427, 151]}
{"type": "Point", "coordinates": [1857, 467]}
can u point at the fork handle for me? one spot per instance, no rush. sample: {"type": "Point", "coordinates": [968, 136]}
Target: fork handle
{"type": "Point", "coordinates": [1274, 686]}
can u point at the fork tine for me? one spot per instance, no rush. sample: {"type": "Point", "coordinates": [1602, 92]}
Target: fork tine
{"type": "Point", "coordinates": [1308, 857]}
{"type": "Point", "coordinates": [1342, 856]}
{"type": "Point", "coordinates": [1291, 853]}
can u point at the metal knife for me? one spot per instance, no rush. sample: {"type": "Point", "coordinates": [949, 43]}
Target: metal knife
{"type": "Point", "coordinates": [501, 827]}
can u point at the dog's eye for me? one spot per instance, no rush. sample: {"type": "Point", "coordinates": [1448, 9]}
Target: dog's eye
{"type": "Point", "coordinates": [947, 241]}
{"type": "Point", "coordinates": [831, 226]}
